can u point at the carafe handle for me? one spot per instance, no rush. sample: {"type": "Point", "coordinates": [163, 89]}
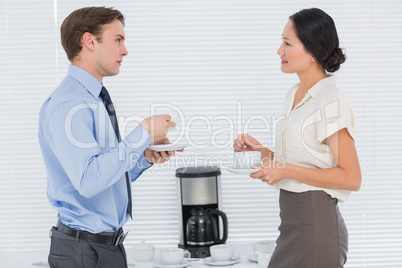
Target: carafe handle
{"type": "Point", "coordinates": [215, 225]}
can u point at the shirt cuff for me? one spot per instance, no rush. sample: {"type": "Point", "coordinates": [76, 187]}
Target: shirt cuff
{"type": "Point", "coordinates": [141, 165]}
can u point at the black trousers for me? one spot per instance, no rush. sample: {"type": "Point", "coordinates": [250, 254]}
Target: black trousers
{"type": "Point", "coordinates": [67, 252]}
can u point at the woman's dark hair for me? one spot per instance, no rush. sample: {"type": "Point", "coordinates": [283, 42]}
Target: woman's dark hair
{"type": "Point", "coordinates": [317, 31]}
{"type": "Point", "coordinates": [80, 21]}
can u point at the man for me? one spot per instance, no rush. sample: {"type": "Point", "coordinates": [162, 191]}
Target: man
{"type": "Point", "coordinates": [89, 167]}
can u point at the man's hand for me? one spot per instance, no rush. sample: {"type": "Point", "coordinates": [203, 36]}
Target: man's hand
{"type": "Point", "coordinates": [158, 157]}
{"type": "Point", "coordinates": [157, 127]}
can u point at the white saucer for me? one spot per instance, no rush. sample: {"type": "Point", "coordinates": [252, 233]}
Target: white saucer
{"type": "Point", "coordinates": [252, 257]}
{"type": "Point", "coordinates": [168, 147]}
{"type": "Point", "coordinates": [243, 171]}
{"type": "Point", "coordinates": [211, 261]}
{"type": "Point", "coordinates": [40, 264]}
{"type": "Point", "coordinates": [183, 264]}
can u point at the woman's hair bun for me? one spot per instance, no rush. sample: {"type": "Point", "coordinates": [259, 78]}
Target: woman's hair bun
{"type": "Point", "coordinates": [334, 60]}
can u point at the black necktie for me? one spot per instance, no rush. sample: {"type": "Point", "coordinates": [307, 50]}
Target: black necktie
{"type": "Point", "coordinates": [107, 101]}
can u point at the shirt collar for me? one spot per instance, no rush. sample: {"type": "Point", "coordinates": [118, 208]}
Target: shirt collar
{"type": "Point", "coordinates": [88, 81]}
{"type": "Point", "coordinates": [313, 92]}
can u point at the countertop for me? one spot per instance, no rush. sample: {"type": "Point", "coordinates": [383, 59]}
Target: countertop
{"type": "Point", "coordinates": [245, 249]}
{"type": "Point", "coordinates": [25, 259]}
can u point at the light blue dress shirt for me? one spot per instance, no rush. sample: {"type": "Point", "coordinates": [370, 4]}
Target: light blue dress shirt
{"type": "Point", "coordinates": [85, 163]}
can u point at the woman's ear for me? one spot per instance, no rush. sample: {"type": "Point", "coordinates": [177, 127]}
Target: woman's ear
{"type": "Point", "coordinates": [313, 59]}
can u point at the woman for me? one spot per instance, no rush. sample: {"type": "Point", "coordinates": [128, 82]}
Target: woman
{"type": "Point", "coordinates": [315, 164]}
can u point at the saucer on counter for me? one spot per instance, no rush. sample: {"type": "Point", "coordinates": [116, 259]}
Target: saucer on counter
{"type": "Point", "coordinates": [211, 261]}
{"type": "Point", "coordinates": [252, 257]}
{"type": "Point", "coordinates": [184, 263]}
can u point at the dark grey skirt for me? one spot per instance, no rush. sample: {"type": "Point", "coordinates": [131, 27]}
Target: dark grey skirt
{"type": "Point", "coordinates": [312, 232]}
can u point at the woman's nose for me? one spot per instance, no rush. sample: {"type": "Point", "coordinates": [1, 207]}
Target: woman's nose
{"type": "Point", "coordinates": [280, 50]}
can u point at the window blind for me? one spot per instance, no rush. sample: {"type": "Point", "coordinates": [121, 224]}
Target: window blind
{"type": "Point", "coordinates": [216, 62]}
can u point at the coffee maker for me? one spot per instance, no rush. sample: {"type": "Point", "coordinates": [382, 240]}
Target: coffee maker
{"type": "Point", "coordinates": [201, 221]}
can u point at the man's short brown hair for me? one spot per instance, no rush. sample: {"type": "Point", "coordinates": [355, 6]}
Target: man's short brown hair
{"type": "Point", "coordinates": [80, 21]}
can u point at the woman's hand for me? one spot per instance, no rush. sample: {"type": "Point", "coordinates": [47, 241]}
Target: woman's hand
{"type": "Point", "coordinates": [271, 172]}
{"type": "Point", "coordinates": [245, 142]}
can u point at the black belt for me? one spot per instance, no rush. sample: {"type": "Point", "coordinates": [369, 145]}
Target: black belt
{"type": "Point", "coordinates": [115, 238]}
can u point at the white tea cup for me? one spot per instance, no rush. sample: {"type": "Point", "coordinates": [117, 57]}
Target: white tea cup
{"type": "Point", "coordinates": [222, 253]}
{"type": "Point", "coordinates": [264, 246]}
{"type": "Point", "coordinates": [263, 259]}
{"type": "Point", "coordinates": [175, 134]}
{"type": "Point", "coordinates": [142, 252]}
{"type": "Point", "coordinates": [175, 112]}
{"type": "Point", "coordinates": [173, 256]}
{"type": "Point", "coordinates": [247, 159]}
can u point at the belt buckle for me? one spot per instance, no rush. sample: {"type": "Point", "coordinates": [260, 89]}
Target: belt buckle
{"type": "Point", "coordinates": [120, 238]}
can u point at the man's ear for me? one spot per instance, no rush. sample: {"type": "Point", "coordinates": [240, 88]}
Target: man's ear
{"type": "Point", "coordinates": [88, 40]}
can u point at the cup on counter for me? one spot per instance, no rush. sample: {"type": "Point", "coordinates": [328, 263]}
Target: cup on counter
{"type": "Point", "coordinates": [142, 252]}
{"type": "Point", "coordinates": [222, 253]}
{"type": "Point", "coordinates": [264, 246]}
{"type": "Point", "coordinates": [263, 259]}
{"type": "Point", "coordinates": [173, 256]}
{"type": "Point", "coordinates": [246, 159]}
